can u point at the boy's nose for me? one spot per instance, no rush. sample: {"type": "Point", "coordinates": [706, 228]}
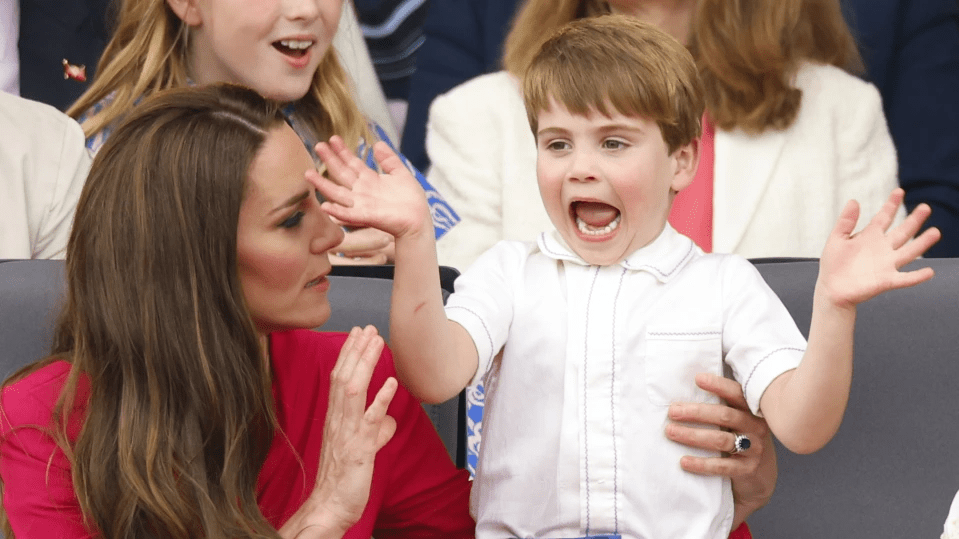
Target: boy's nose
{"type": "Point", "coordinates": [582, 166]}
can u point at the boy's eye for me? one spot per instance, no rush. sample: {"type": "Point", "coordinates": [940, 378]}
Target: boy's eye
{"type": "Point", "coordinates": [613, 144]}
{"type": "Point", "coordinates": [558, 145]}
{"type": "Point", "coordinates": [292, 221]}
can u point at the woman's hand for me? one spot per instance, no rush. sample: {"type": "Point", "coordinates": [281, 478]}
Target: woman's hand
{"type": "Point", "coordinates": [352, 435]}
{"type": "Point", "coordinates": [753, 472]}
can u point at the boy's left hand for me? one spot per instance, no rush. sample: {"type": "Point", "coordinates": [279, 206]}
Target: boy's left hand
{"type": "Point", "coordinates": [393, 202]}
{"type": "Point", "coordinates": [857, 267]}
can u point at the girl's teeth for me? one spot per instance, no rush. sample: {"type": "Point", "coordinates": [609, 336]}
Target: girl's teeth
{"type": "Point", "coordinates": [592, 231]}
{"type": "Point", "coordinates": [295, 44]}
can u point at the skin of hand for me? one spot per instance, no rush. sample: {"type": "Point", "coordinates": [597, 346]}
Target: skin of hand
{"type": "Point", "coordinates": [363, 246]}
{"type": "Point", "coordinates": [352, 436]}
{"type": "Point", "coordinates": [857, 267]}
{"type": "Point", "coordinates": [805, 406]}
{"type": "Point", "coordinates": [753, 472]}
{"type": "Point", "coordinates": [392, 202]}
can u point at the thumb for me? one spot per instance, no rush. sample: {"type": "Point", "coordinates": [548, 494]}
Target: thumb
{"type": "Point", "coordinates": [386, 432]}
{"type": "Point", "coordinates": [848, 218]}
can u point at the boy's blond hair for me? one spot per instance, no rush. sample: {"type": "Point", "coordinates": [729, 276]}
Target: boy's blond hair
{"type": "Point", "coordinates": [618, 61]}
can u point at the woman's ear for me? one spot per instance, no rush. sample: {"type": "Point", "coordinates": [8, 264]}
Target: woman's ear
{"type": "Point", "coordinates": [186, 10]}
{"type": "Point", "coordinates": [685, 163]}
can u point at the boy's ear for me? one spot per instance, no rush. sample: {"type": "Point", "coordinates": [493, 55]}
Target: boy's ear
{"type": "Point", "coordinates": [685, 163]}
{"type": "Point", "coordinates": [186, 10]}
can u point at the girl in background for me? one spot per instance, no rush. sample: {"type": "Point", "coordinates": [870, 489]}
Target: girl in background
{"type": "Point", "coordinates": [280, 48]}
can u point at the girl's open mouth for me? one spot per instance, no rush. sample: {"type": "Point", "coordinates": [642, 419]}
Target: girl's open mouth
{"type": "Point", "coordinates": [295, 48]}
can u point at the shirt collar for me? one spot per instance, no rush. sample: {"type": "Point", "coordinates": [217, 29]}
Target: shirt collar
{"type": "Point", "coordinates": [662, 258]}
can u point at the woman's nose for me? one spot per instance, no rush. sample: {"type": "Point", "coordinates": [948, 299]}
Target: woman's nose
{"type": "Point", "coordinates": [327, 235]}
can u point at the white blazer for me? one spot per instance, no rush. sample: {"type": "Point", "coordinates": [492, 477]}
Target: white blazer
{"type": "Point", "coordinates": [43, 166]}
{"type": "Point", "coordinates": [775, 194]}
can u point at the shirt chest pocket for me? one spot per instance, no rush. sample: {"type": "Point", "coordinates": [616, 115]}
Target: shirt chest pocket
{"type": "Point", "coordinates": [674, 357]}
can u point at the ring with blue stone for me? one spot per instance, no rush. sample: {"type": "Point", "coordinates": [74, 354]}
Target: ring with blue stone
{"type": "Point", "coordinates": [741, 444]}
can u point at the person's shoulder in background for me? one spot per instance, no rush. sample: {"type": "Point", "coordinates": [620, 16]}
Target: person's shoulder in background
{"type": "Point", "coordinates": [43, 166]}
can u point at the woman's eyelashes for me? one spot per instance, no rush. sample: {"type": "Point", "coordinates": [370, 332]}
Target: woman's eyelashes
{"type": "Point", "coordinates": [294, 220]}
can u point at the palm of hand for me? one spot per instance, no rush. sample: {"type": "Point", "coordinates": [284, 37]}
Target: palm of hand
{"type": "Point", "coordinates": [392, 201]}
{"type": "Point", "coordinates": [857, 267]}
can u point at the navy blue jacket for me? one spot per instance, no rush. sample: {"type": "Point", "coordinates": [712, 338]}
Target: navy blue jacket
{"type": "Point", "coordinates": [55, 30]}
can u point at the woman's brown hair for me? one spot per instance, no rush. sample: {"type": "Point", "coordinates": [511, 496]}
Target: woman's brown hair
{"type": "Point", "coordinates": [747, 51]}
{"type": "Point", "coordinates": [179, 417]}
{"type": "Point", "coordinates": [148, 52]}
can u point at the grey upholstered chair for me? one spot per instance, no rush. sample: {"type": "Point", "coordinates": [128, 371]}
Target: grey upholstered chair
{"type": "Point", "coordinates": [893, 468]}
{"type": "Point", "coordinates": [31, 292]}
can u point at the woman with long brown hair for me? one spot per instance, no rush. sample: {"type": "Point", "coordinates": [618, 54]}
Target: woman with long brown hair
{"type": "Point", "coordinates": [185, 396]}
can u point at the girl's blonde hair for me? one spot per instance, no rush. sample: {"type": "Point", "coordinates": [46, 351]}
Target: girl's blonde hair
{"type": "Point", "coordinates": [148, 52]}
{"type": "Point", "coordinates": [747, 51]}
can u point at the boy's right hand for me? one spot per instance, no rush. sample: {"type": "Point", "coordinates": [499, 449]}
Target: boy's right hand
{"type": "Point", "coordinates": [393, 201]}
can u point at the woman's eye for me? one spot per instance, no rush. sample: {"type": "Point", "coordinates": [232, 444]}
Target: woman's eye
{"type": "Point", "coordinates": [293, 220]}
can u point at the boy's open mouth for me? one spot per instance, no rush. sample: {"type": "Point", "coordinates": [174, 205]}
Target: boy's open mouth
{"type": "Point", "coordinates": [594, 218]}
{"type": "Point", "coordinates": [295, 48]}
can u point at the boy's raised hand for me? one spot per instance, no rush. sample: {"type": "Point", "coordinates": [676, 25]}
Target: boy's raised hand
{"type": "Point", "coordinates": [393, 201]}
{"type": "Point", "coordinates": [857, 267]}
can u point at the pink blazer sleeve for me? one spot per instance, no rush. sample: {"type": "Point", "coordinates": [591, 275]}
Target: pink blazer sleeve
{"type": "Point", "coordinates": [38, 495]}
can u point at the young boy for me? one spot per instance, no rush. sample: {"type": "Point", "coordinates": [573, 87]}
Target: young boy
{"type": "Point", "coordinates": [587, 336]}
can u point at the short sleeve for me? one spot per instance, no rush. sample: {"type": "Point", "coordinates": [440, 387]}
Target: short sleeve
{"type": "Point", "coordinates": [484, 297]}
{"type": "Point", "coordinates": [760, 338]}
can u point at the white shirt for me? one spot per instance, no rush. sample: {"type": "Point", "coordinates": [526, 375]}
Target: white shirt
{"type": "Point", "coordinates": [573, 440]}
{"type": "Point", "coordinates": [951, 528]}
{"type": "Point", "coordinates": [43, 165]}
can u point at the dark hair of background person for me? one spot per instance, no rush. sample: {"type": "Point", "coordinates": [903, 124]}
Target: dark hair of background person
{"type": "Point", "coordinates": [180, 400]}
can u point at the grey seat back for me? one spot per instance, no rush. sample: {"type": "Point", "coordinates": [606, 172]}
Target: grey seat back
{"type": "Point", "coordinates": [358, 301]}
{"type": "Point", "coordinates": [30, 295]}
{"type": "Point", "coordinates": [893, 468]}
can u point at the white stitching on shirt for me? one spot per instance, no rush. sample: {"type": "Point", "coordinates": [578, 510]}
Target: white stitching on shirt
{"type": "Point", "coordinates": [482, 323]}
{"type": "Point", "coordinates": [760, 362]}
{"type": "Point", "coordinates": [589, 299]}
{"type": "Point", "coordinates": [612, 406]}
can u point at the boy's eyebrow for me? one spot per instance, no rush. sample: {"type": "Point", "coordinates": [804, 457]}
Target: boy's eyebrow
{"type": "Point", "coordinates": [621, 127]}
{"type": "Point", "coordinates": [293, 200]}
{"type": "Point", "coordinates": [552, 130]}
